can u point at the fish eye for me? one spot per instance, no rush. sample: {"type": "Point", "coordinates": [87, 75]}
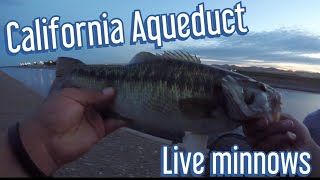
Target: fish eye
{"type": "Point", "coordinates": [263, 87]}
{"type": "Point", "coordinates": [248, 97]}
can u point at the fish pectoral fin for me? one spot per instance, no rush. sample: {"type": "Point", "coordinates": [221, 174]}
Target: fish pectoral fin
{"type": "Point", "coordinates": [194, 142]}
{"type": "Point", "coordinates": [197, 107]}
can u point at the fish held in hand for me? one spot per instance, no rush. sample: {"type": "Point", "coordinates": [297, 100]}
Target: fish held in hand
{"type": "Point", "coordinates": [167, 95]}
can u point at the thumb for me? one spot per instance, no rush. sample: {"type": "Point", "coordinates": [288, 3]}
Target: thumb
{"type": "Point", "coordinates": [102, 104]}
{"type": "Point", "coordinates": [87, 97]}
{"type": "Point", "coordinates": [111, 125]}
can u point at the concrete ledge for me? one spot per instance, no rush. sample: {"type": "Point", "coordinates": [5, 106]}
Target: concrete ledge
{"type": "Point", "coordinates": [147, 136]}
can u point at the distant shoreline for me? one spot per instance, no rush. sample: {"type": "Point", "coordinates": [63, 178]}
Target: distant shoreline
{"type": "Point", "coordinates": [285, 81]}
{"type": "Point", "coordinates": [31, 67]}
{"type": "Point", "coordinates": [294, 88]}
{"type": "Point", "coordinates": [273, 79]}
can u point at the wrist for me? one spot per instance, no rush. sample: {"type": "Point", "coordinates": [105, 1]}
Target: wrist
{"type": "Point", "coordinates": [34, 142]}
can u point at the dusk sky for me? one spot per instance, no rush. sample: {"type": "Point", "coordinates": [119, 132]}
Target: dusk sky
{"type": "Point", "coordinates": [283, 34]}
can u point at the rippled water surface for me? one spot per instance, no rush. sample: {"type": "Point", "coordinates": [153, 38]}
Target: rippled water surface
{"type": "Point", "coordinates": [38, 80]}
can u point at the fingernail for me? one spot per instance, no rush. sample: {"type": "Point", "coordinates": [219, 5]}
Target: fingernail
{"type": "Point", "coordinates": [108, 91]}
{"type": "Point", "coordinates": [292, 136]}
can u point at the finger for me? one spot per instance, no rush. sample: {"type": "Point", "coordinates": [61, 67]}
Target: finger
{"type": "Point", "coordinates": [255, 125]}
{"type": "Point", "coordinates": [280, 127]}
{"type": "Point", "coordinates": [276, 142]}
{"type": "Point", "coordinates": [300, 131]}
{"type": "Point", "coordinates": [111, 125]}
{"type": "Point", "coordinates": [88, 97]}
{"type": "Point", "coordinates": [285, 116]}
{"type": "Point", "coordinates": [103, 105]}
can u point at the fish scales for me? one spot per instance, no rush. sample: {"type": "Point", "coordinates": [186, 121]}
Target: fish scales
{"type": "Point", "coordinates": [166, 97]}
{"type": "Point", "coordinates": [182, 75]}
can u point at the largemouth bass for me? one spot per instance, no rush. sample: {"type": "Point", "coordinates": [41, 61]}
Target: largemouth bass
{"type": "Point", "coordinates": [167, 95]}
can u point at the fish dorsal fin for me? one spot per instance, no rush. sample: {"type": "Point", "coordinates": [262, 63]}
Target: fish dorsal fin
{"type": "Point", "coordinates": [179, 55]}
{"type": "Point", "coordinates": [65, 65]}
{"type": "Point", "coordinates": [143, 57]}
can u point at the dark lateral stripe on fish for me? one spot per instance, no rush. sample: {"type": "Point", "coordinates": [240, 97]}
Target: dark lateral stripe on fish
{"type": "Point", "coordinates": [172, 77]}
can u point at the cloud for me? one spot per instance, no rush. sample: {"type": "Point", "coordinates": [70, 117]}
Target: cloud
{"type": "Point", "coordinates": [273, 46]}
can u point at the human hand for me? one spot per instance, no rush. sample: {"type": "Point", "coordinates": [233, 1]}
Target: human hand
{"type": "Point", "coordinates": [67, 126]}
{"type": "Point", "coordinates": [288, 134]}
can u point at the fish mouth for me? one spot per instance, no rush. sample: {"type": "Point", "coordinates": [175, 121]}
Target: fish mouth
{"type": "Point", "coordinates": [247, 98]}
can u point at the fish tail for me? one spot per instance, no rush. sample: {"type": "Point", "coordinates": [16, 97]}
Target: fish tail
{"type": "Point", "coordinates": [64, 66]}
